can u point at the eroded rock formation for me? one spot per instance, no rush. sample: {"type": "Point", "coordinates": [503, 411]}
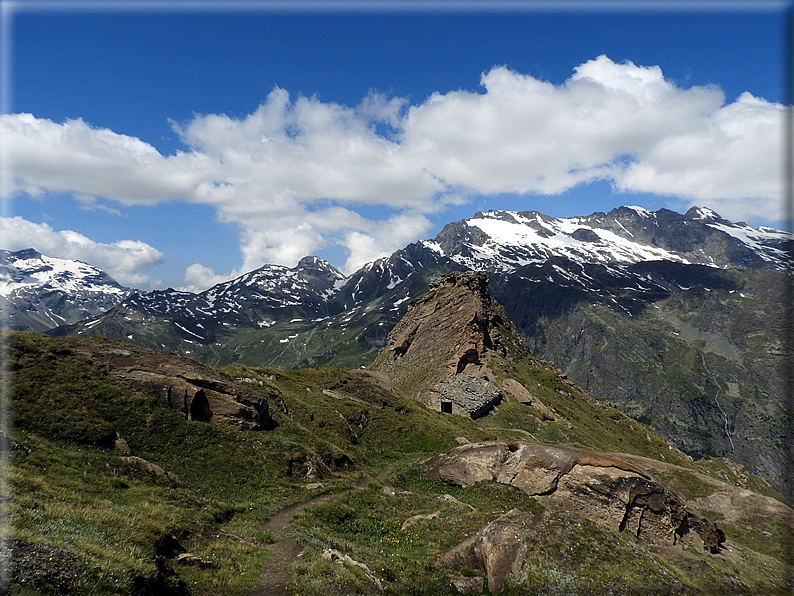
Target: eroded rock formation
{"type": "Point", "coordinates": [196, 391]}
{"type": "Point", "coordinates": [497, 551]}
{"type": "Point", "coordinates": [441, 343]}
{"type": "Point", "coordinates": [600, 487]}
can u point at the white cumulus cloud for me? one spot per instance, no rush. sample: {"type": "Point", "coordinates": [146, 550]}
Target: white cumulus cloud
{"type": "Point", "coordinates": [74, 157]}
{"type": "Point", "coordinates": [198, 277]}
{"type": "Point", "coordinates": [300, 174]}
{"type": "Point", "coordinates": [382, 239]}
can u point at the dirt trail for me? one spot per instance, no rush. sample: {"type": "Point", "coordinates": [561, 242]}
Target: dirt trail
{"type": "Point", "coordinates": [277, 577]}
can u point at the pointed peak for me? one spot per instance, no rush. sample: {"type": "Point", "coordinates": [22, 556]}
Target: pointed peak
{"type": "Point", "coordinates": [314, 263]}
{"type": "Point", "coordinates": [453, 331]}
{"type": "Point", "coordinates": [702, 213]}
{"type": "Point", "coordinates": [641, 211]}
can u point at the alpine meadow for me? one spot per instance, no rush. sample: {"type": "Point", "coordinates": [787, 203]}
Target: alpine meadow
{"type": "Point", "coordinates": [419, 298]}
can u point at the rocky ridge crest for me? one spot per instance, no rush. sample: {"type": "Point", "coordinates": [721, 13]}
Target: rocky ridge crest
{"type": "Point", "coordinates": [437, 353]}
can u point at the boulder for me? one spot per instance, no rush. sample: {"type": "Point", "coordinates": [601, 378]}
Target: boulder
{"type": "Point", "coordinates": [467, 584]}
{"type": "Point", "coordinates": [518, 392]}
{"type": "Point", "coordinates": [334, 555]}
{"type": "Point", "coordinates": [417, 518]}
{"type": "Point", "coordinates": [496, 551]}
{"type": "Point", "coordinates": [600, 487]}
{"type": "Point", "coordinates": [141, 465]}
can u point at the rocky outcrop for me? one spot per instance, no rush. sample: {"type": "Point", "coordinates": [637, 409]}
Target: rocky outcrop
{"type": "Point", "coordinates": [733, 502]}
{"type": "Point", "coordinates": [441, 343]}
{"type": "Point", "coordinates": [515, 389]}
{"type": "Point", "coordinates": [334, 555]}
{"type": "Point", "coordinates": [196, 391]}
{"type": "Point", "coordinates": [138, 464]}
{"type": "Point", "coordinates": [600, 487]}
{"type": "Point", "coordinates": [201, 399]}
{"type": "Point", "coordinates": [498, 550]}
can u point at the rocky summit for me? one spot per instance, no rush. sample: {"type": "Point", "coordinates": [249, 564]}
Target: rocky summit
{"type": "Point", "coordinates": [438, 351]}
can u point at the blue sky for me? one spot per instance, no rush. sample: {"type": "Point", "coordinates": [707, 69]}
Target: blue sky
{"type": "Point", "coordinates": [181, 147]}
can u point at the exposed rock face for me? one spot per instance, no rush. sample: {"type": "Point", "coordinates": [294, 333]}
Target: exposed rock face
{"type": "Point", "coordinates": [192, 389]}
{"type": "Point", "coordinates": [600, 487]}
{"type": "Point", "coordinates": [445, 334]}
{"type": "Point", "coordinates": [519, 392]}
{"type": "Point", "coordinates": [496, 551]}
{"type": "Point", "coordinates": [735, 504]}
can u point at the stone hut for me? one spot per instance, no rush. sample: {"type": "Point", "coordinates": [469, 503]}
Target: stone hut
{"type": "Point", "coordinates": [464, 395]}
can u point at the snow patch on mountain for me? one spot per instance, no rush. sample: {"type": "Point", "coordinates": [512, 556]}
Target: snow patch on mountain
{"type": "Point", "coordinates": [758, 240]}
{"type": "Point", "coordinates": [516, 239]}
{"type": "Point", "coordinates": [432, 245]}
{"type": "Point", "coordinates": [641, 211]}
{"type": "Point", "coordinates": [702, 213]}
{"type": "Point", "coordinates": [28, 269]}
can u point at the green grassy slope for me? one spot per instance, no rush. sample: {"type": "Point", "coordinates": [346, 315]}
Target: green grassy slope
{"type": "Point", "coordinates": [82, 521]}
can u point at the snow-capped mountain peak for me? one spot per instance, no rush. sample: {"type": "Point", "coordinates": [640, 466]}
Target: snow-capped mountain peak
{"type": "Point", "coordinates": [702, 213]}
{"type": "Point", "coordinates": [515, 239]}
{"type": "Point", "coordinates": [312, 263]}
{"type": "Point", "coordinates": [27, 268]}
{"type": "Point", "coordinates": [506, 240]}
{"type": "Point", "coordinates": [40, 292]}
{"type": "Point", "coordinates": [260, 298]}
{"type": "Point", "coordinates": [562, 250]}
{"type": "Point", "coordinates": [641, 211]}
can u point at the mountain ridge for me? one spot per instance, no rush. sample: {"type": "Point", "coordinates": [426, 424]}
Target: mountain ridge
{"type": "Point", "coordinates": [534, 239]}
{"type": "Point", "coordinates": [496, 241]}
{"type": "Point", "coordinates": [690, 342]}
{"type": "Point", "coordinates": [39, 292]}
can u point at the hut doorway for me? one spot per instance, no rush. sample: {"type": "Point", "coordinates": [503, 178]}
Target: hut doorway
{"type": "Point", "coordinates": [200, 407]}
